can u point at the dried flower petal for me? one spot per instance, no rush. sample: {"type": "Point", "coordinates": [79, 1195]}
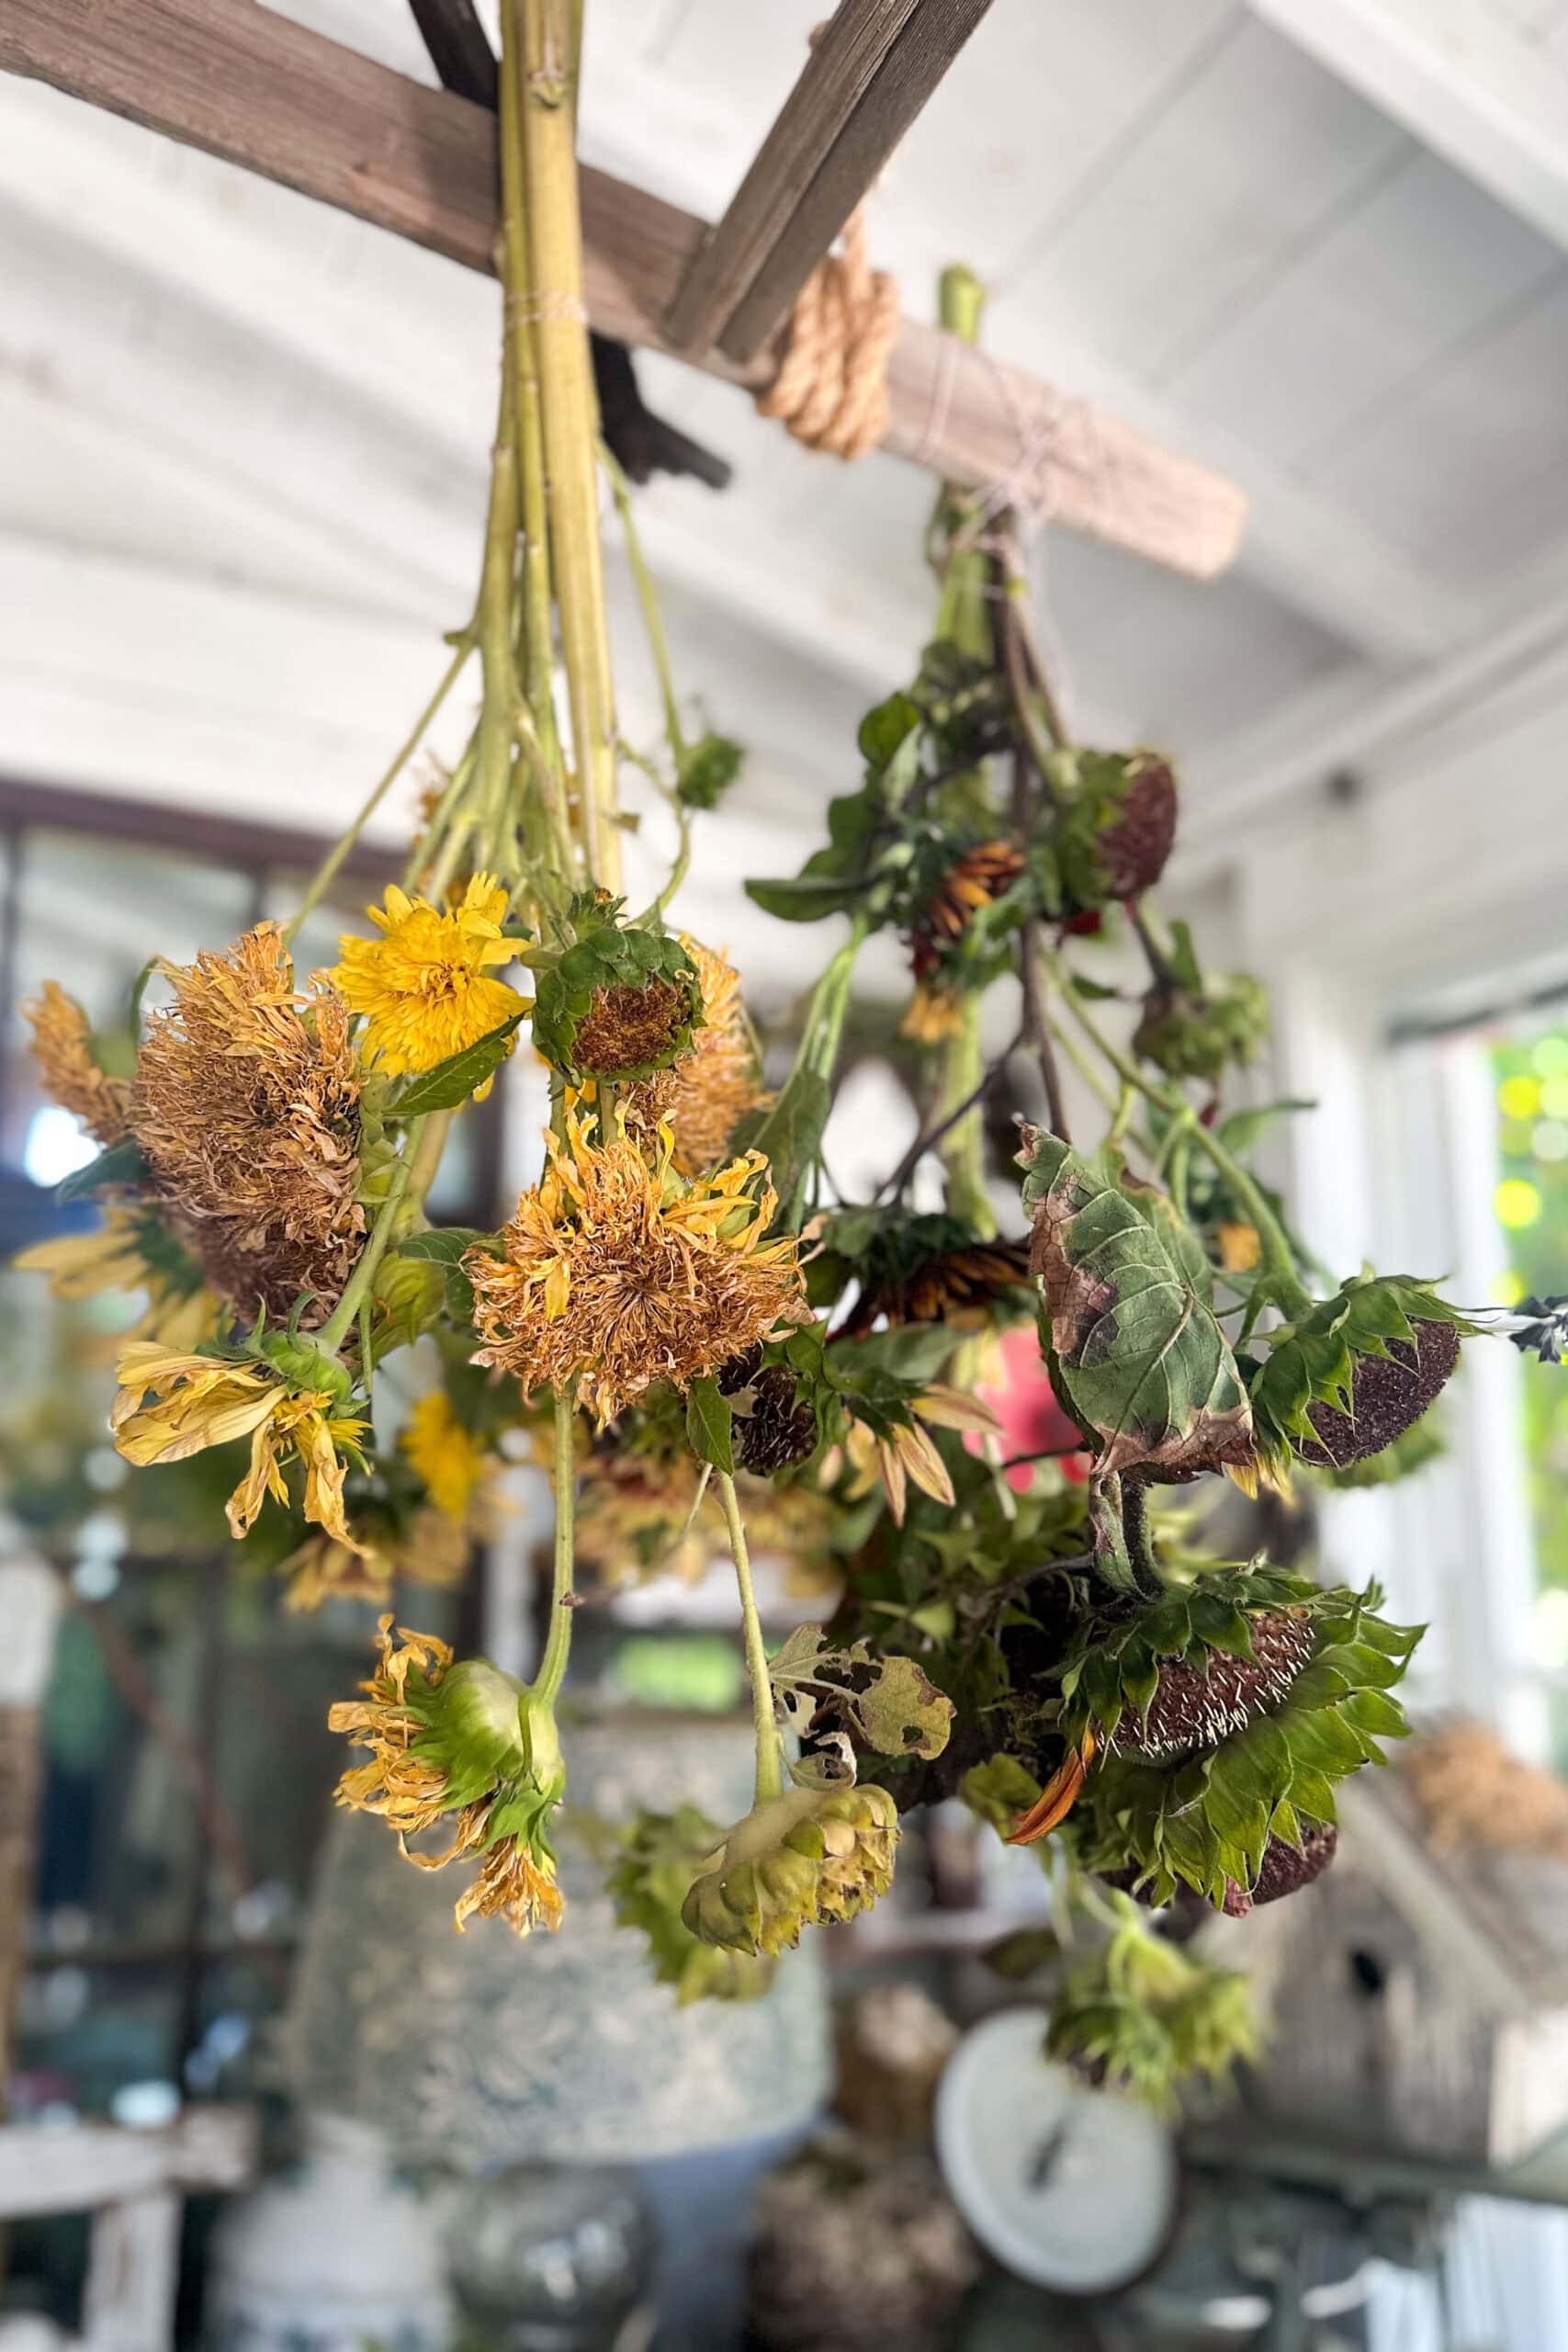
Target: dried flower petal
{"type": "Point", "coordinates": [246, 1105]}
{"type": "Point", "coordinates": [616, 1274]}
{"type": "Point", "coordinates": [62, 1048]}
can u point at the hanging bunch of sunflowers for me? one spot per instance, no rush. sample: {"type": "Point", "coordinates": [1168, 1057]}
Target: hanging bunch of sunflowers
{"type": "Point", "coordinates": [696, 1326]}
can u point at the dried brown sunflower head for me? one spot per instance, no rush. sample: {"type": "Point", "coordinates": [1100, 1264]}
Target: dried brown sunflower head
{"type": "Point", "coordinates": [62, 1048]}
{"type": "Point", "coordinates": [709, 1089]}
{"type": "Point", "coordinates": [616, 1274]}
{"type": "Point", "coordinates": [246, 1107]}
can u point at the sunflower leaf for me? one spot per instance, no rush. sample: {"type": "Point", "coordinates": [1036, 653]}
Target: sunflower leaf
{"type": "Point", "coordinates": [889, 1701]}
{"type": "Point", "coordinates": [122, 1164]}
{"type": "Point", "coordinates": [709, 1425]}
{"type": "Point", "coordinates": [450, 1082]}
{"type": "Point", "coordinates": [1140, 1356]}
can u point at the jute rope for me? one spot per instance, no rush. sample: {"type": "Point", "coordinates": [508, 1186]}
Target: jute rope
{"type": "Point", "coordinates": [832, 388]}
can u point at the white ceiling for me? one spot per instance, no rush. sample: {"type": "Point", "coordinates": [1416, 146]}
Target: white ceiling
{"type": "Point", "coordinates": [242, 438]}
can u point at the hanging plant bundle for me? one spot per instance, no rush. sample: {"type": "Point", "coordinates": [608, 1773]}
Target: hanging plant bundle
{"type": "Point", "coordinates": [698, 1334]}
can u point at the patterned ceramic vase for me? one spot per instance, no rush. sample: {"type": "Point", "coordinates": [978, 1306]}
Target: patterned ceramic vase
{"type": "Point", "coordinates": [477, 2052]}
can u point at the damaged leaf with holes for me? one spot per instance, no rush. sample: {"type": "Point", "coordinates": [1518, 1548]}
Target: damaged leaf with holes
{"type": "Point", "coordinates": [886, 1704]}
{"type": "Point", "coordinates": [1136, 1353]}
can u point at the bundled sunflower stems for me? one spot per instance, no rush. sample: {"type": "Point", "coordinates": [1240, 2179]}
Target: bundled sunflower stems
{"type": "Point", "coordinates": [701, 1342]}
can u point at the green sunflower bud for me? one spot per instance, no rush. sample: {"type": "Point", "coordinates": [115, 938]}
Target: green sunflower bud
{"type": "Point", "coordinates": [379, 1152]}
{"type": "Point", "coordinates": [660, 1855]}
{"type": "Point", "coordinates": [809, 1857]}
{"type": "Point", "coordinates": [1190, 1034]}
{"type": "Point", "coordinates": [618, 1006]}
{"type": "Point", "coordinates": [305, 1366]}
{"type": "Point", "coordinates": [409, 1294]}
{"type": "Point", "coordinates": [1140, 2015]}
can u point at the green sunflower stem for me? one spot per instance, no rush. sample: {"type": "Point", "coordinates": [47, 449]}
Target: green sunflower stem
{"type": "Point", "coordinates": [770, 1774]}
{"type": "Point", "coordinates": [495, 744]}
{"type": "Point", "coordinates": [427, 849]}
{"type": "Point", "coordinates": [963, 1146]}
{"type": "Point", "coordinates": [542, 34]}
{"type": "Point", "coordinates": [1279, 1273]}
{"type": "Point", "coordinates": [338, 1325]}
{"type": "Point", "coordinates": [557, 1648]}
{"type": "Point", "coordinates": [648, 602]}
{"type": "Point", "coordinates": [327, 872]}
{"type": "Point", "coordinates": [537, 637]}
{"type": "Point", "coordinates": [412, 1180]}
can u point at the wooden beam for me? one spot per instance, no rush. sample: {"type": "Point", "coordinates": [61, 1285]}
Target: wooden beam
{"type": "Point", "coordinates": [256, 89]}
{"type": "Point", "coordinates": [864, 82]}
{"type": "Point", "coordinates": [1477, 89]}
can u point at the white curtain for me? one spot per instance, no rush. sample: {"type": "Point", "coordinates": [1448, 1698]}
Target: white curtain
{"type": "Point", "coordinates": [1504, 2287]}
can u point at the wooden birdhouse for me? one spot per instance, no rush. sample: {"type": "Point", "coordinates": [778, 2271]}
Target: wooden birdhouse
{"type": "Point", "coordinates": [1418, 1991]}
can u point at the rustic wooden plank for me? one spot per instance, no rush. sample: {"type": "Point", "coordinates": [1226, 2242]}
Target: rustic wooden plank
{"type": "Point", "coordinates": [258, 90]}
{"type": "Point", "coordinates": [79, 2166]}
{"type": "Point", "coordinates": [133, 2272]}
{"type": "Point", "coordinates": [863, 83]}
{"type": "Point", "coordinates": [804, 214]}
{"type": "Point", "coordinates": [29, 1611]}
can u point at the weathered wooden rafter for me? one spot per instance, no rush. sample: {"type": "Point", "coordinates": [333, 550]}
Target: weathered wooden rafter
{"type": "Point", "coordinates": [866, 78]}
{"type": "Point", "coordinates": [233, 78]}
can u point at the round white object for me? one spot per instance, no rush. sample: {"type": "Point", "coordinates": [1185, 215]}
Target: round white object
{"type": "Point", "coordinates": [1072, 2188]}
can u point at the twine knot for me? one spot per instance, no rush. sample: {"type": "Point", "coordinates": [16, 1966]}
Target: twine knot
{"type": "Point", "coordinates": [832, 388]}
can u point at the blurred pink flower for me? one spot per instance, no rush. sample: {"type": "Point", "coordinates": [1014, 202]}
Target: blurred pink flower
{"type": "Point", "coordinates": [1032, 1421]}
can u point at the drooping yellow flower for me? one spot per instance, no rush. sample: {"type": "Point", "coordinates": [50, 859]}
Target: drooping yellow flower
{"type": "Point", "coordinates": [467, 1746]}
{"type": "Point", "coordinates": [62, 1048]}
{"type": "Point", "coordinates": [708, 1090]}
{"type": "Point", "coordinates": [451, 1462]}
{"type": "Point", "coordinates": [246, 1103]}
{"type": "Point", "coordinates": [180, 1310]}
{"type": "Point", "coordinates": [199, 1401]}
{"type": "Point", "coordinates": [616, 1273]}
{"type": "Point", "coordinates": [424, 987]}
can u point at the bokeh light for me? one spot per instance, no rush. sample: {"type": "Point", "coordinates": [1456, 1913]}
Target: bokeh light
{"type": "Point", "coordinates": [1517, 1202]}
{"type": "Point", "coordinates": [1520, 1098]}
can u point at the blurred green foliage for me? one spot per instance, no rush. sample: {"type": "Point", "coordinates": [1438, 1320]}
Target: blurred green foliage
{"type": "Point", "coordinates": [1530, 1080]}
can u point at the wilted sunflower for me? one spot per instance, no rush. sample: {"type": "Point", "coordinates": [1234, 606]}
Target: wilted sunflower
{"type": "Point", "coordinates": [466, 1746]}
{"type": "Point", "coordinates": [199, 1401]}
{"type": "Point", "coordinates": [450, 1460]}
{"type": "Point", "coordinates": [131, 1251]}
{"type": "Point", "coordinates": [424, 987]}
{"type": "Point", "coordinates": [62, 1048]}
{"type": "Point", "coordinates": [616, 1274]}
{"type": "Point", "coordinates": [974, 881]}
{"type": "Point", "coordinates": [708, 1090]}
{"type": "Point", "coordinates": [246, 1106]}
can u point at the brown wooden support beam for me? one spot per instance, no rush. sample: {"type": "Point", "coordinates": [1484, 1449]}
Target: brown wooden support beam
{"type": "Point", "coordinates": [876, 63]}
{"type": "Point", "coordinates": [256, 89]}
